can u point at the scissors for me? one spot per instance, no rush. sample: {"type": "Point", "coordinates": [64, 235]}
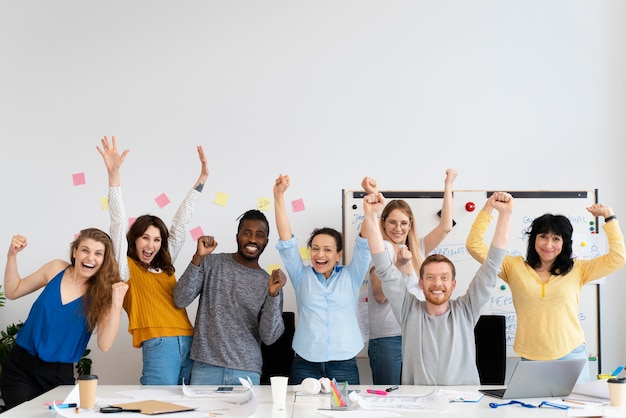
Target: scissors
{"type": "Point", "coordinates": [115, 409]}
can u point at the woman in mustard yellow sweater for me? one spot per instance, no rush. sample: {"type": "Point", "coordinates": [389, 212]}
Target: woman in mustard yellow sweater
{"type": "Point", "coordinates": [146, 260]}
{"type": "Point", "coordinates": [547, 285]}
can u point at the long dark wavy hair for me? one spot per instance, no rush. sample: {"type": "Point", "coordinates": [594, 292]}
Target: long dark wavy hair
{"type": "Point", "coordinates": [162, 259]}
{"type": "Point", "coordinates": [557, 225]}
{"type": "Point", "coordinates": [99, 294]}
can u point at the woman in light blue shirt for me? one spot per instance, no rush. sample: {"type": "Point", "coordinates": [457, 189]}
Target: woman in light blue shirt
{"type": "Point", "coordinates": [327, 337]}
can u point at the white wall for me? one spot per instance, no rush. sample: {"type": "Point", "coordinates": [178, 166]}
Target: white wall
{"type": "Point", "coordinates": [514, 95]}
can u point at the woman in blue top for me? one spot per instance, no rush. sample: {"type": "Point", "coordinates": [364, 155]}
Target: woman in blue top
{"type": "Point", "coordinates": [327, 337]}
{"type": "Point", "coordinates": [77, 297]}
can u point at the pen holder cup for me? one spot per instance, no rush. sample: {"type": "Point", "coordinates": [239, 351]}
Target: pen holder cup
{"type": "Point", "coordinates": [339, 397]}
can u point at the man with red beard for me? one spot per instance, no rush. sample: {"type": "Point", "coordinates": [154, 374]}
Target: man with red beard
{"type": "Point", "coordinates": [240, 305]}
{"type": "Point", "coordinates": [438, 345]}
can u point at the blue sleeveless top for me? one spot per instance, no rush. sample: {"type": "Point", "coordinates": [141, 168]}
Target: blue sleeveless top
{"type": "Point", "coordinates": [54, 332]}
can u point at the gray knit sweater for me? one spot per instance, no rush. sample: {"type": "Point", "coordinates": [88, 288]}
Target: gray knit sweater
{"type": "Point", "coordinates": [439, 350]}
{"type": "Point", "coordinates": [234, 314]}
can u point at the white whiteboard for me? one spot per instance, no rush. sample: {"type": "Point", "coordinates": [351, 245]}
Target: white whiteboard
{"type": "Point", "coordinates": [528, 205]}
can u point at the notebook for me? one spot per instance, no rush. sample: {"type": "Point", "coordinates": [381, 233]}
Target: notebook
{"type": "Point", "coordinates": [540, 379]}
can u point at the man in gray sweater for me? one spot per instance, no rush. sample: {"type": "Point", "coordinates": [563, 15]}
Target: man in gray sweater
{"type": "Point", "coordinates": [438, 334]}
{"type": "Point", "coordinates": [240, 306]}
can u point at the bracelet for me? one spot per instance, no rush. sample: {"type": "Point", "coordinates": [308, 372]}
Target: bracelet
{"type": "Point", "coordinates": [609, 218]}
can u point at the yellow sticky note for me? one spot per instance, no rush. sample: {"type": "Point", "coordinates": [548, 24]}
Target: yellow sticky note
{"type": "Point", "coordinates": [104, 202]}
{"type": "Point", "coordinates": [304, 253]}
{"type": "Point", "coordinates": [263, 204]}
{"type": "Point", "coordinates": [272, 267]}
{"type": "Point", "coordinates": [221, 199]}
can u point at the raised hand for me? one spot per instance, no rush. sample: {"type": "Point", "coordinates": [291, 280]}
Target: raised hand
{"type": "Point", "coordinates": [403, 256]}
{"type": "Point", "coordinates": [118, 292]}
{"type": "Point", "coordinates": [281, 184]}
{"type": "Point", "coordinates": [276, 282]}
{"type": "Point", "coordinates": [112, 158]}
{"type": "Point", "coordinates": [206, 245]}
{"type": "Point", "coordinates": [451, 175]}
{"type": "Point", "coordinates": [599, 209]}
{"type": "Point", "coordinates": [204, 173]}
{"type": "Point", "coordinates": [18, 243]}
{"type": "Point", "coordinates": [502, 202]}
{"type": "Point", "coordinates": [373, 203]}
{"type": "Point", "coordinates": [369, 185]}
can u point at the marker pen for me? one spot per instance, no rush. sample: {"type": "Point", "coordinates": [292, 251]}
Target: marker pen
{"type": "Point", "coordinates": [64, 405]}
{"type": "Point", "coordinates": [377, 392]}
{"type": "Point", "coordinates": [394, 387]}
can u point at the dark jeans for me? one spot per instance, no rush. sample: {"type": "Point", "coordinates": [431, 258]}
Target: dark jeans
{"type": "Point", "coordinates": [341, 370]}
{"type": "Point", "coordinates": [386, 360]}
{"type": "Point", "coordinates": [25, 377]}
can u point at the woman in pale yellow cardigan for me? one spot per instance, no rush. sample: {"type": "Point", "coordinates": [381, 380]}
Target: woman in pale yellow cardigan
{"type": "Point", "coordinates": [546, 286]}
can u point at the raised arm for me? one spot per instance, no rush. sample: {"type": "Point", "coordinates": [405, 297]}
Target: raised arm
{"type": "Point", "coordinates": [113, 161]}
{"type": "Point", "coordinates": [372, 205]}
{"type": "Point", "coordinates": [475, 242]}
{"type": "Point", "coordinates": [109, 324]}
{"type": "Point", "coordinates": [503, 203]}
{"type": "Point", "coordinates": [437, 235]}
{"type": "Point", "coordinates": [182, 217]}
{"type": "Point", "coordinates": [14, 285]}
{"type": "Point", "coordinates": [282, 221]}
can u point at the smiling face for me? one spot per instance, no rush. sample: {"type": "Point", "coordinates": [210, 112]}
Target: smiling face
{"type": "Point", "coordinates": [88, 257]}
{"type": "Point", "coordinates": [437, 281]}
{"type": "Point", "coordinates": [548, 247]}
{"type": "Point", "coordinates": [324, 254]}
{"type": "Point", "coordinates": [148, 244]}
{"type": "Point", "coordinates": [396, 226]}
{"type": "Point", "coordinates": [252, 239]}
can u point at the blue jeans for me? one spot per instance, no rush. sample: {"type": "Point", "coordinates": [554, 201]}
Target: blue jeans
{"type": "Point", "coordinates": [578, 352]}
{"type": "Point", "coordinates": [386, 360]}
{"type": "Point", "coordinates": [341, 370]}
{"type": "Point", "coordinates": [166, 361]}
{"type": "Point", "coordinates": [208, 374]}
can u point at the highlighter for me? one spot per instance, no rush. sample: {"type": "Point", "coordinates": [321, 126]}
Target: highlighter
{"type": "Point", "coordinates": [377, 392]}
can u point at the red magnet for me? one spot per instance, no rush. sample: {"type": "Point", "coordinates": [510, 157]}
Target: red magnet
{"type": "Point", "coordinates": [470, 206]}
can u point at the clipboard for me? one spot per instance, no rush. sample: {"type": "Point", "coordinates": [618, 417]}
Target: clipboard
{"type": "Point", "coordinates": [151, 407]}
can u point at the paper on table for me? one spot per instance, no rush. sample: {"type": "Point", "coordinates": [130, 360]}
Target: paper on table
{"type": "Point", "coordinates": [458, 396]}
{"type": "Point", "coordinates": [436, 400]}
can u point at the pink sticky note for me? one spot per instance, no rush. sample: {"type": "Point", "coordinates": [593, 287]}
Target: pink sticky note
{"type": "Point", "coordinates": [162, 200]}
{"type": "Point", "coordinates": [78, 179]}
{"type": "Point", "coordinates": [297, 205]}
{"type": "Point", "coordinates": [196, 233]}
{"type": "Point", "coordinates": [131, 221]}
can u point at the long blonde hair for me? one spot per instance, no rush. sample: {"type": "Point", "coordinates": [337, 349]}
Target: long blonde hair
{"type": "Point", "coordinates": [412, 239]}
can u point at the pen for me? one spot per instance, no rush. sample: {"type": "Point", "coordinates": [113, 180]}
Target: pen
{"type": "Point", "coordinates": [377, 392]}
{"type": "Point", "coordinates": [573, 401]}
{"type": "Point", "coordinates": [617, 371]}
{"type": "Point", "coordinates": [64, 405]}
{"type": "Point", "coordinates": [389, 389]}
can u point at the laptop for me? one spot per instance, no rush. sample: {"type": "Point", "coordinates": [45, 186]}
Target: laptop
{"type": "Point", "coordinates": [540, 379]}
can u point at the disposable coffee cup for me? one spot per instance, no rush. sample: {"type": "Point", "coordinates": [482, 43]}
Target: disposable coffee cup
{"type": "Point", "coordinates": [617, 391]}
{"type": "Point", "coordinates": [279, 391]}
{"type": "Point", "coordinates": [87, 385]}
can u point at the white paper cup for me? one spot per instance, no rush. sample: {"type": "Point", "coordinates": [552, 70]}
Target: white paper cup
{"type": "Point", "coordinates": [279, 391]}
{"type": "Point", "coordinates": [311, 386]}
